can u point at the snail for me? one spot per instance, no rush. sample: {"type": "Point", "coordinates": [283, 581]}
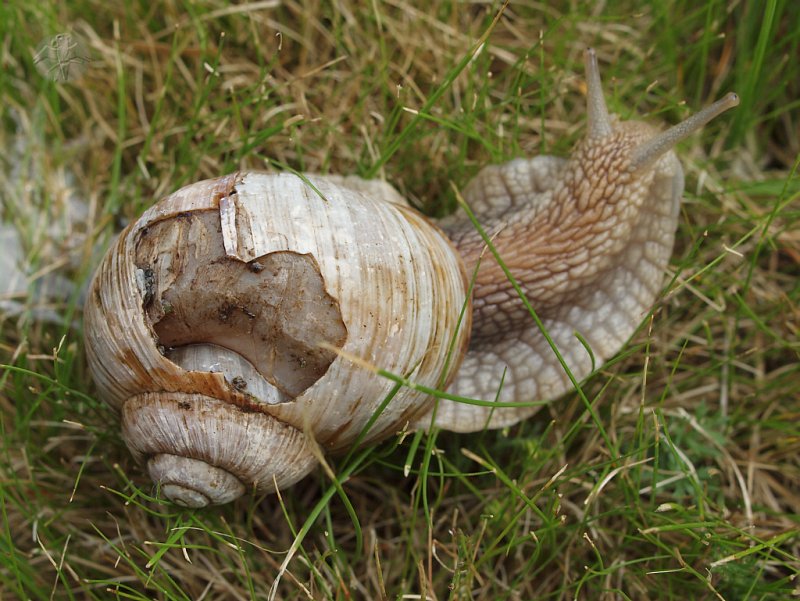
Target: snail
{"type": "Point", "coordinates": [229, 323]}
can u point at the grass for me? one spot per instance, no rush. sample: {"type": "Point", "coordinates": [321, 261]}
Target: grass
{"type": "Point", "coordinates": [685, 485]}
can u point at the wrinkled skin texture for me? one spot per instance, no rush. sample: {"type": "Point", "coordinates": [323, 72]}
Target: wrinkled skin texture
{"type": "Point", "coordinates": [597, 239]}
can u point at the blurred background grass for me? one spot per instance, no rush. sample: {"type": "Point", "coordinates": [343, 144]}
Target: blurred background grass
{"type": "Point", "coordinates": [689, 486]}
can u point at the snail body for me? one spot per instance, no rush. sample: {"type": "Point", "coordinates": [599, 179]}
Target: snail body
{"type": "Point", "coordinates": [224, 322]}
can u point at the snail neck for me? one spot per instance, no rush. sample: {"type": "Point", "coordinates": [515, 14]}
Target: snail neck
{"type": "Point", "coordinates": [590, 264]}
{"type": "Point", "coordinates": [556, 243]}
{"type": "Point", "coordinates": [587, 240]}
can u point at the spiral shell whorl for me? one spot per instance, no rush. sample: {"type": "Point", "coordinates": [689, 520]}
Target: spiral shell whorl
{"type": "Point", "coordinates": [193, 483]}
{"type": "Point", "coordinates": [203, 451]}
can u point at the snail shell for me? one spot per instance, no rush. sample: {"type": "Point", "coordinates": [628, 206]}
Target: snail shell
{"type": "Point", "coordinates": [212, 326]}
{"type": "Point", "coordinates": [223, 323]}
